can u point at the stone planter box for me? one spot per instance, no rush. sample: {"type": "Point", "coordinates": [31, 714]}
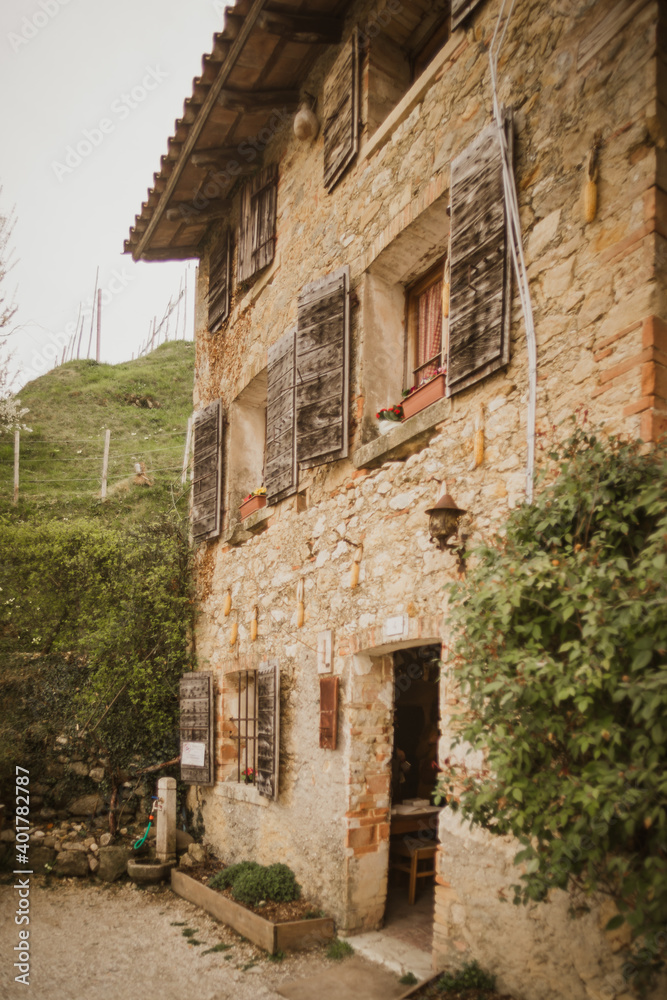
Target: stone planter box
{"type": "Point", "coordinates": [297, 935]}
{"type": "Point", "coordinates": [249, 507]}
{"type": "Point", "coordinates": [424, 396]}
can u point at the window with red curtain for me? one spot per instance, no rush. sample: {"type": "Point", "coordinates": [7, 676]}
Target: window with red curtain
{"type": "Point", "coordinates": [425, 326]}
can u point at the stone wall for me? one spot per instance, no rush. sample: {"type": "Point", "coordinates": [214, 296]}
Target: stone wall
{"type": "Point", "coordinates": [599, 311]}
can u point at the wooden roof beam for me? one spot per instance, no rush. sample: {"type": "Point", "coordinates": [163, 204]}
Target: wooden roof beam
{"type": "Point", "coordinates": [306, 29]}
{"type": "Point", "coordinates": [188, 215]}
{"type": "Point", "coordinates": [218, 158]}
{"type": "Point", "coordinates": [247, 101]}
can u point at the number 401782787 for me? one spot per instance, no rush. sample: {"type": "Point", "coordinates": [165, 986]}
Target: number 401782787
{"type": "Point", "coordinates": [22, 813]}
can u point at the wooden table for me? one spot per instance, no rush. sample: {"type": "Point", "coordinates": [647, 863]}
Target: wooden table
{"type": "Point", "coordinates": [425, 818]}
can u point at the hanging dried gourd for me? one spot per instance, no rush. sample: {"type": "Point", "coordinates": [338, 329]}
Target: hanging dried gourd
{"type": "Point", "coordinates": [356, 567]}
{"type": "Point", "coordinates": [300, 607]}
{"type": "Point", "coordinates": [227, 604]}
{"type": "Point", "coordinates": [234, 633]}
{"type": "Point", "coordinates": [253, 625]}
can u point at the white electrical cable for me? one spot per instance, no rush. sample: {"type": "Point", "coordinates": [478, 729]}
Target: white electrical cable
{"type": "Point", "coordinates": [516, 245]}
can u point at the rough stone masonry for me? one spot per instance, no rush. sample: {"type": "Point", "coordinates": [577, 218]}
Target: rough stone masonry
{"type": "Point", "coordinates": [579, 76]}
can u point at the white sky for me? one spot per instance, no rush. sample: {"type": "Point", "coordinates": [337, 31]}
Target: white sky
{"type": "Point", "coordinates": [83, 57]}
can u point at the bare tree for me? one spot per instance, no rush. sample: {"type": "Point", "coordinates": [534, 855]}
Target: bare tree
{"type": "Point", "coordinates": [11, 413]}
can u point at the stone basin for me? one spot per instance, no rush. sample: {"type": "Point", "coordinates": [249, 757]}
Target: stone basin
{"type": "Point", "coordinates": [148, 871]}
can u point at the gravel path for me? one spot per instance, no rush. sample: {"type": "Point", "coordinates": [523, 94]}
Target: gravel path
{"type": "Point", "coordinates": [118, 942]}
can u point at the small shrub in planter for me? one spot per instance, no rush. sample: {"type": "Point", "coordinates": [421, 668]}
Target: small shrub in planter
{"type": "Point", "coordinates": [281, 884]}
{"type": "Point", "coordinates": [251, 883]}
{"type": "Point", "coordinates": [471, 976]}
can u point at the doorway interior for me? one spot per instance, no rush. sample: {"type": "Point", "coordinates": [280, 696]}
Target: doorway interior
{"type": "Point", "coordinates": [414, 775]}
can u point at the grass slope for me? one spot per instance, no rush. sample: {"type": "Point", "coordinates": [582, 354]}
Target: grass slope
{"type": "Point", "coordinates": [144, 403]}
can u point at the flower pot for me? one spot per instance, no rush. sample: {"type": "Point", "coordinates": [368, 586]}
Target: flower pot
{"type": "Point", "coordinates": [249, 507]}
{"type": "Point", "coordinates": [424, 396]}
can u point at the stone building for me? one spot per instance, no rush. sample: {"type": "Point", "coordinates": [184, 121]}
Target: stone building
{"type": "Point", "coordinates": [338, 267]}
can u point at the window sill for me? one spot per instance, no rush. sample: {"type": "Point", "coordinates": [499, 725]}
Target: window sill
{"type": "Point", "coordinates": [239, 792]}
{"type": "Point", "coordinates": [249, 526]}
{"type": "Point", "coordinates": [405, 439]}
{"type": "Point", "coordinates": [413, 97]}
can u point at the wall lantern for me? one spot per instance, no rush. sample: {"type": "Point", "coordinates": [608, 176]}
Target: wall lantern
{"type": "Point", "coordinates": [444, 522]}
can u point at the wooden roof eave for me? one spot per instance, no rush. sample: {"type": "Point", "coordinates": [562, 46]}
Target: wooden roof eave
{"type": "Point", "coordinates": [148, 239]}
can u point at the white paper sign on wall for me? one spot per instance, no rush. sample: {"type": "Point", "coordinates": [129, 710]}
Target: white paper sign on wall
{"type": "Point", "coordinates": [193, 754]}
{"type": "Point", "coordinates": [396, 627]}
{"type": "Point", "coordinates": [325, 652]}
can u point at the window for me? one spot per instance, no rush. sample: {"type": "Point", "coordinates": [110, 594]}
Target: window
{"type": "Point", "coordinates": [246, 445]}
{"type": "Point", "coordinates": [397, 51]}
{"type": "Point", "coordinates": [426, 346]}
{"type": "Point", "coordinates": [341, 114]}
{"type": "Point", "coordinates": [207, 472]}
{"type": "Point", "coordinates": [219, 281]}
{"type": "Point", "coordinates": [257, 225]}
{"type": "Point", "coordinates": [251, 734]}
{"type": "Point", "coordinates": [308, 386]}
{"type": "Point", "coordinates": [244, 726]}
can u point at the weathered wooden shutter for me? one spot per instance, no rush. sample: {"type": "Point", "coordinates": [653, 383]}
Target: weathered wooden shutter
{"type": "Point", "coordinates": [328, 712]}
{"type": "Point", "coordinates": [322, 370]}
{"type": "Point", "coordinates": [481, 273]}
{"type": "Point", "coordinates": [341, 114]}
{"type": "Point", "coordinates": [268, 729]}
{"type": "Point", "coordinates": [461, 9]}
{"type": "Point", "coordinates": [207, 473]}
{"type": "Point", "coordinates": [219, 282]}
{"type": "Point", "coordinates": [257, 226]}
{"type": "Point", "coordinates": [280, 475]}
{"type": "Point", "coordinates": [196, 727]}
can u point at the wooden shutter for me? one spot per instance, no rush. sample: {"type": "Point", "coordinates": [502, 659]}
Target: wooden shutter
{"type": "Point", "coordinates": [341, 114]}
{"type": "Point", "coordinates": [268, 729]}
{"type": "Point", "coordinates": [219, 282]}
{"type": "Point", "coordinates": [328, 712]}
{"type": "Point", "coordinates": [461, 9]}
{"type": "Point", "coordinates": [257, 226]}
{"type": "Point", "coordinates": [322, 375]}
{"type": "Point", "coordinates": [481, 273]}
{"type": "Point", "coordinates": [207, 473]}
{"type": "Point", "coordinates": [281, 471]}
{"type": "Point", "coordinates": [196, 725]}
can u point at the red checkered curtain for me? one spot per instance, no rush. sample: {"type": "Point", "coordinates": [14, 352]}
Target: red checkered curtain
{"type": "Point", "coordinates": [429, 341]}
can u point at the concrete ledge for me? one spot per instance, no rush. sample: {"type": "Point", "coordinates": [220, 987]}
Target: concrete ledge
{"type": "Point", "coordinates": [252, 525]}
{"type": "Point", "coordinates": [238, 792]}
{"type": "Point", "coordinates": [297, 934]}
{"type": "Point", "coordinates": [405, 439]}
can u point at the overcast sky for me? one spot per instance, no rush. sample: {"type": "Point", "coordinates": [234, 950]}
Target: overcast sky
{"type": "Point", "coordinates": [66, 66]}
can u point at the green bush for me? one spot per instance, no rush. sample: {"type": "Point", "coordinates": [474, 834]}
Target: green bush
{"type": "Point", "coordinates": [471, 976]}
{"type": "Point", "coordinates": [94, 636]}
{"type": "Point", "coordinates": [225, 879]}
{"type": "Point", "coordinates": [281, 884]}
{"type": "Point", "coordinates": [251, 882]}
{"type": "Point", "coordinates": [560, 648]}
{"type": "Point", "coordinates": [249, 886]}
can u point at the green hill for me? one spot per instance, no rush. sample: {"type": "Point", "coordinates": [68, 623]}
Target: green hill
{"type": "Point", "coordinates": [144, 403]}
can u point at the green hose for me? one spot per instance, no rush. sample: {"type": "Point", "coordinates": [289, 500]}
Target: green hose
{"type": "Point", "coordinates": [138, 843]}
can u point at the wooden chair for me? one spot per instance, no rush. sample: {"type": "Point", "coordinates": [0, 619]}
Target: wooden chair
{"type": "Point", "coordinates": [407, 857]}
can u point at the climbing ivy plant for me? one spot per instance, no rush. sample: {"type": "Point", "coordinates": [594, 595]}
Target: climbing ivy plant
{"type": "Point", "coordinates": [560, 652]}
{"type": "Point", "coordinates": [95, 628]}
